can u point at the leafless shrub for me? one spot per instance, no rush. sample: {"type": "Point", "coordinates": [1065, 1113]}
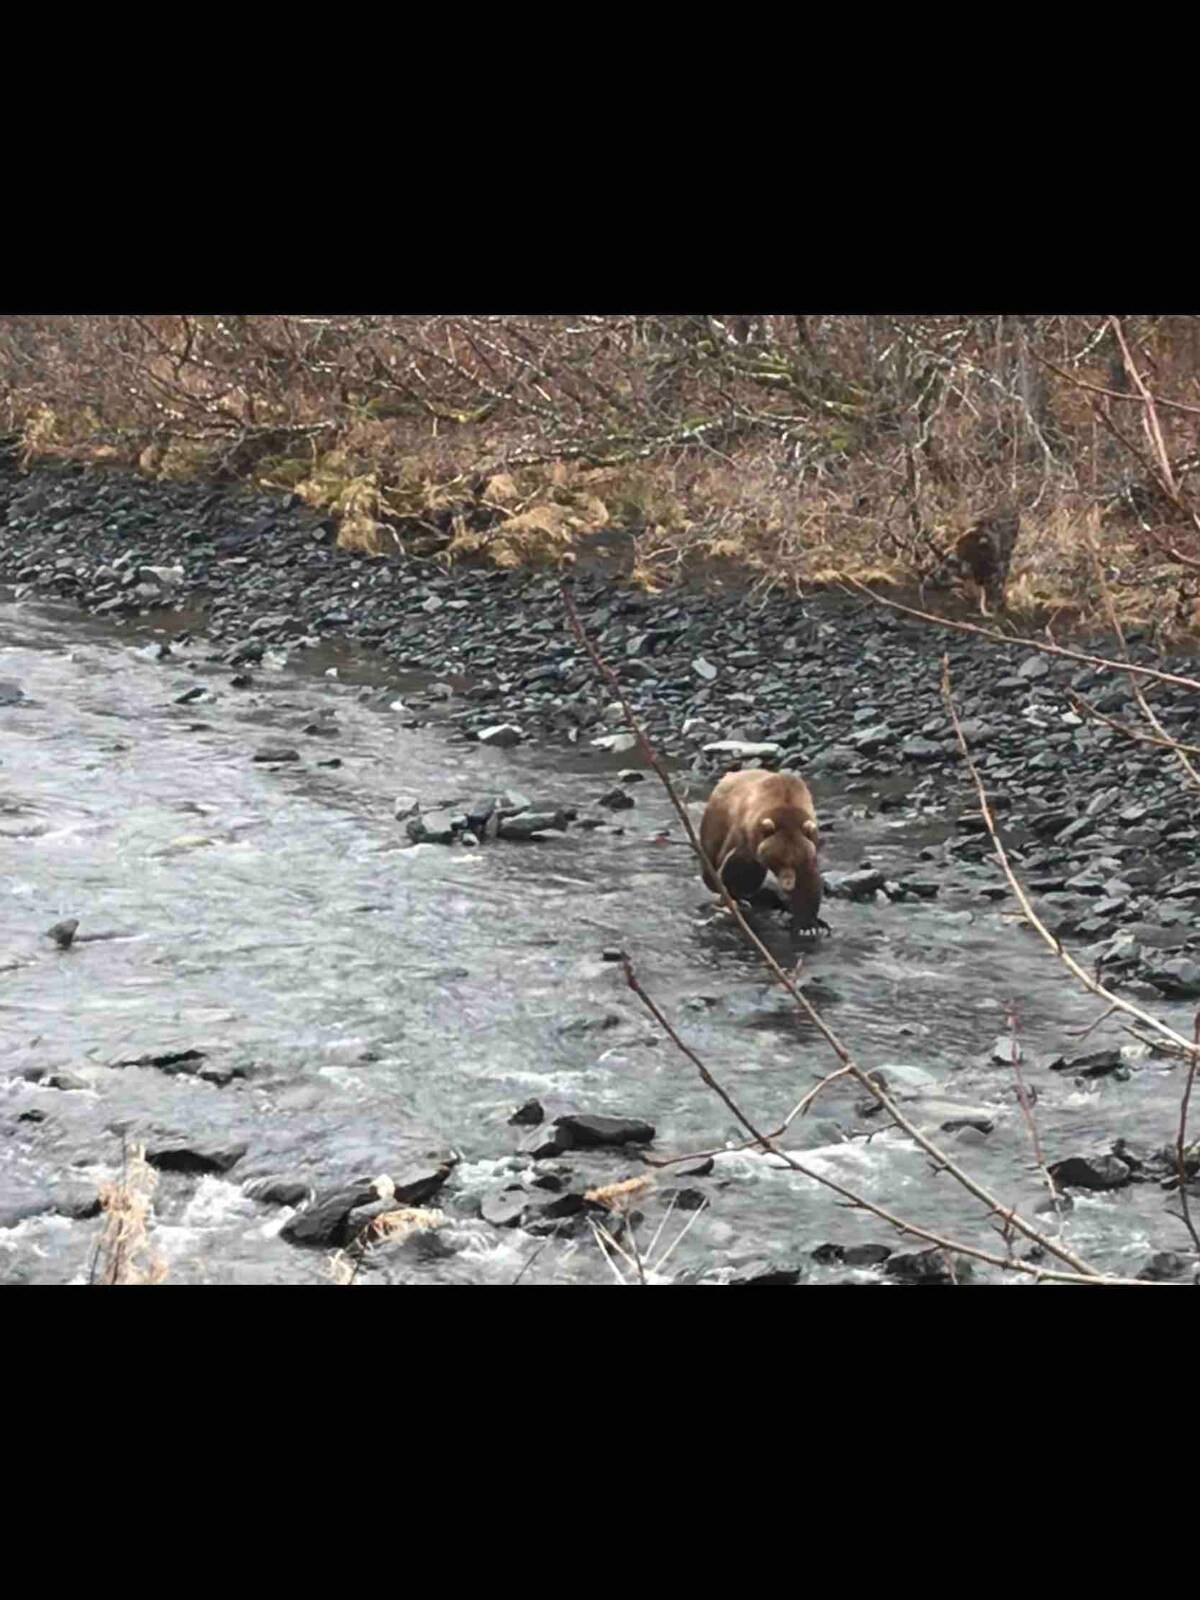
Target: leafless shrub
{"type": "Point", "coordinates": [785, 449]}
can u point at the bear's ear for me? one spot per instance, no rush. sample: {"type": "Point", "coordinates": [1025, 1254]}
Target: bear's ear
{"type": "Point", "coordinates": [767, 825]}
{"type": "Point", "coordinates": [810, 828]}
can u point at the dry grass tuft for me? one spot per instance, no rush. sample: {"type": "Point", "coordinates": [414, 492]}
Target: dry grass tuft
{"type": "Point", "coordinates": [617, 1195]}
{"type": "Point", "coordinates": [390, 1227]}
{"type": "Point", "coordinates": [123, 1252]}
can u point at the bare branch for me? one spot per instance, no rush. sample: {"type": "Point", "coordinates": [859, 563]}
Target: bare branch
{"type": "Point", "coordinates": [1026, 644]}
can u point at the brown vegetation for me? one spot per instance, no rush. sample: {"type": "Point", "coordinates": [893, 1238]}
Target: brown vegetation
{"type": "Point", "coordinates": [782, 450]}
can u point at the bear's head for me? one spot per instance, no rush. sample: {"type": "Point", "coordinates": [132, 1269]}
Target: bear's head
{"type": "Point", "coordinates": [787, 847]}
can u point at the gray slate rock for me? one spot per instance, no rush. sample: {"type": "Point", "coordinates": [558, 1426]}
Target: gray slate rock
{"type": "Point", "coordinates": [189, 1156]}
{"type": "Point", "coordinates": [1090, 1172]}
{"type": "Point", "coordinates": [435, 827]}
{"type": "Point", "coordinates": [529, 824]}
{"type": "Point", "coordinates": [1178, 977]}
{"type": "Point", "coordinates": [503, 735]}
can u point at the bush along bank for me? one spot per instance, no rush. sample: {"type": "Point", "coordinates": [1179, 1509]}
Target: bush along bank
{"type": "Point", "coordinates": [1103, 829]}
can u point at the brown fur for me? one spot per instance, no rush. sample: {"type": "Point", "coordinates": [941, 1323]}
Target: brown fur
{"type": "Point", "coordinates": [757, 822]}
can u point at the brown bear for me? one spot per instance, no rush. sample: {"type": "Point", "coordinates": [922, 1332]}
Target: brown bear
{"type": "Point", "coordinates": [760, 822]}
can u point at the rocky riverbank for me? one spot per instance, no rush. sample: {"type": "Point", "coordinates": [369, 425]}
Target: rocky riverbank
{"type": "Point", "coordinates": [1104, 829]}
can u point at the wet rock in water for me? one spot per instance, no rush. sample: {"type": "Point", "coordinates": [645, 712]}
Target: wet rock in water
{"type": "Point", "coordinates": [503, 735]}
{"type": "Point", "coordinates": [1177, 977]}
{"type": "Point", "coordinates": [852, 1255]}
{"type": "Point", "coordinates": [65, 1081]}
{"type": "Point", "coordinates": [586, 1132]}
{"type": "Point", "coordinates": [618, 743]}
{"type": "Point", "coordinates": [220, 1073]}
{"type": "Point", "coordinates": [32, 1116]}
{"type": "Point", "coordinates": [771, 1277]}
{"type": "Point", "coordinates": [921, 885]}
{"type": "Point", "coordinates": [324, 1221]}
{"type": "Point", "coordinates": [63, 933]}
{"type": "Point", "coordinates": [1091, 1172]}
{"type": "Point", "coordinates": [594, 1023]}
{"type": "Point", "coordinates": [189, 695]}
{"type": "Point", "coordinates": [505, 1208]}
{"type": "Point", "coordinates": [241, 680]}
{"type": "Point", "coordinates": [860, 885]}
{"type": "Point", "coordinates": [927, 1266]}
{"type": "Point", "coordinates": [532, 1209]}
{"type": "Point", "coordinates": [511, 802]}
{"type": "Point", "coordinates": [406, 805]}
{"type": "Point", "coordinates": [165, 1060]}
{"type": "Point", "coordinates": [704, 669]}
{"type": "Point", "coordinates": [250, 650]}
{"type": "Point", "coordinates": [278, 1191]}
{"type": "Point", "coordinates": [529, 1115]}
{"type": "Point", "coordinates": [276, 753]}
{"type": "Point", "coordinates": [631, 775]}
{"type": "Point", "coordinates": [1163, 1266]}
{"type": "Point", "coordinates": [327, 1221]}
{"type": "Point", "coordinates": [529, 824]}
{"type": "Point", "coordinates": [616, 799]}
{"type": "Point", "coordinates": [898, 1075]}
{"type": "Point", "coordinates": [546, 1142]}
{"type": "Point", "coordinates": [1095, 1064]}
{"type": "Point", "coordinates": [971, 1130]}
{"type": "Point", "coordinates": [685, 1199]}
{"type": "Point", "coordinates": [479, 815]}
{"type": "Point", "coordinates": [435, 827]}
{"type": "Point", "coordinates": [1053, 1205]}
{"type": "Point", "coordinates": [189, 1156]}
{"type": "Point", "coordinates": [827, 1254]}
{"type": "Point", "coordinates": [11, 694]}
{"type": "Point", "coordinates": [865, 1255]}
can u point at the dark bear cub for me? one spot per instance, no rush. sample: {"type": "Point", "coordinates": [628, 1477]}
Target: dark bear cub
{"type": "Point", "coordinates": [760, 822]}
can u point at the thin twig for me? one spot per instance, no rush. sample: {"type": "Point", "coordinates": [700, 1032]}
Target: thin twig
{"type": "Point", "coordinates": [1093, 985]}
{"type": "Point", "coordinates": [1027, 644]}
{"type": "Point", "coordinates": [857, 1202]}
{"type": "Point", "coordinates": [1138, 735]}
{"type": "Point", "coordinates": [1027, 1111]}
{"type": "Point", "coordinates": [1112, 394]}
{"type": "Point", "coordinates": [1143, 704]}
{"type": "Point", "coordinates": [941, 1160]}
{"type": "Point", "coordinates": [1181, 1138]}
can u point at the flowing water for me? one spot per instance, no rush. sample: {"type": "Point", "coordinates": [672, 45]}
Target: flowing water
{"type": "Point", "coordinates": [385, 999]}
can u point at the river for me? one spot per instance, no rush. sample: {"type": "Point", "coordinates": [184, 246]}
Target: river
{"type": "Point", "coordinates": [378, 999]}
